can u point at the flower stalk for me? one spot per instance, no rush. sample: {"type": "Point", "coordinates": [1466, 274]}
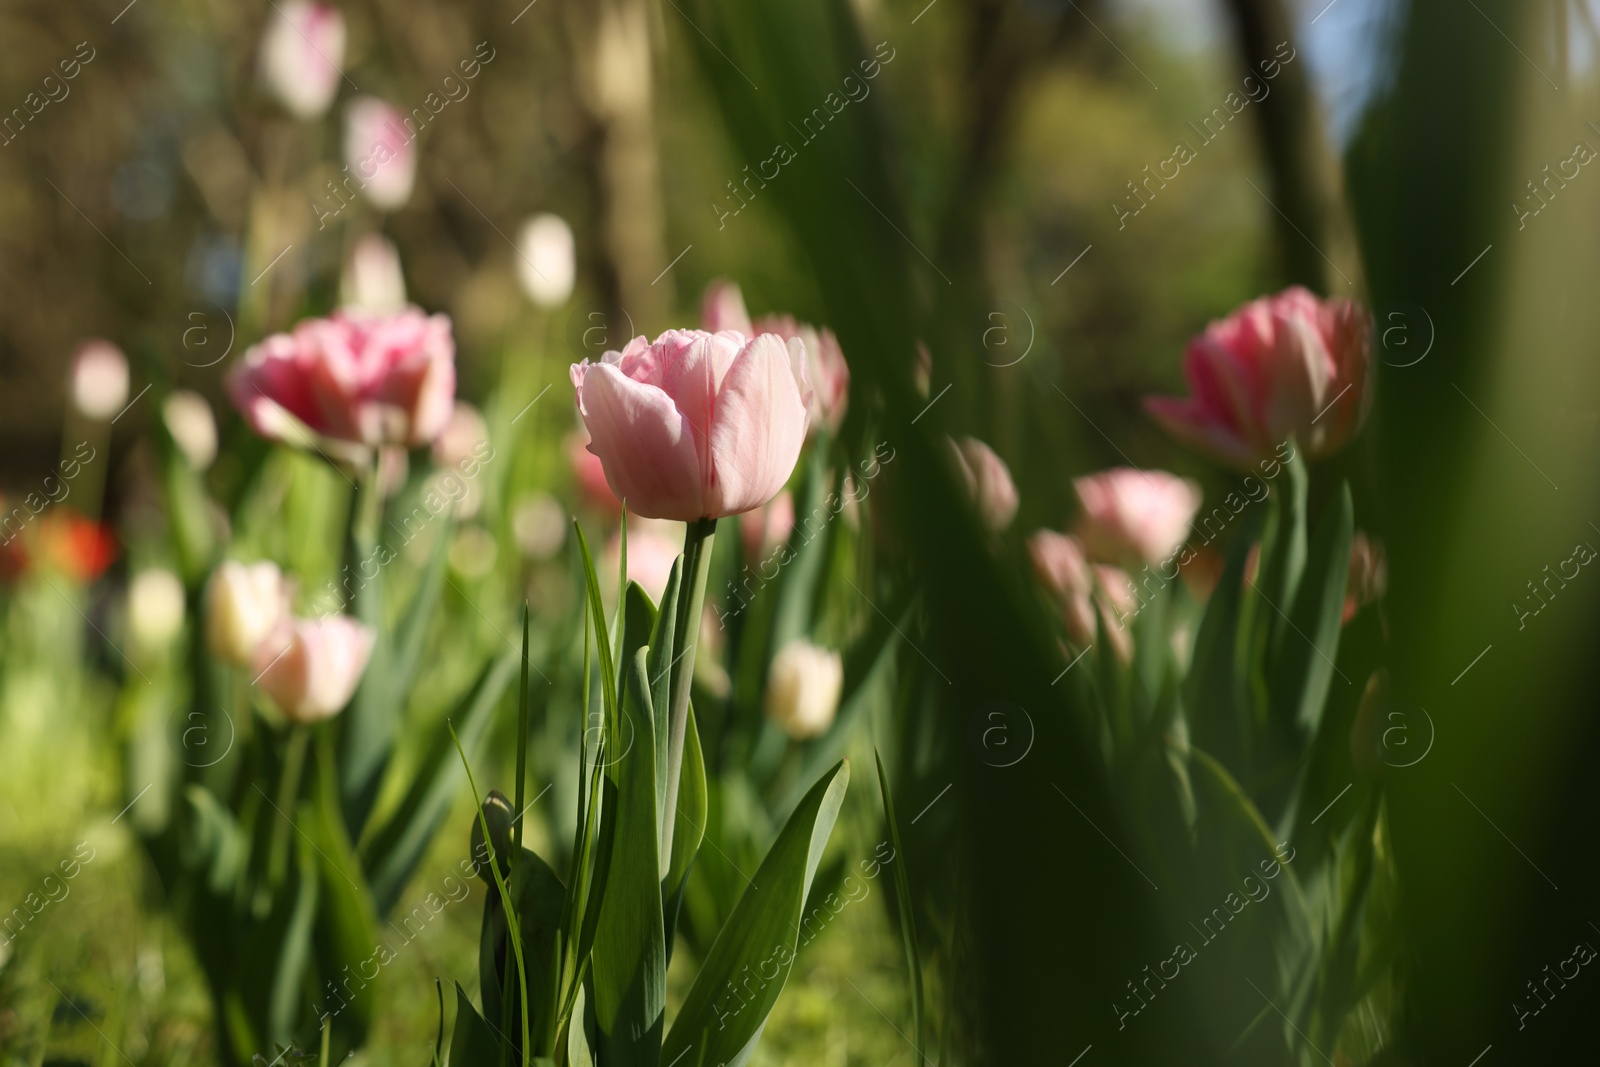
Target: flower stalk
{"type": "Point", "coordinates": [697, 544]}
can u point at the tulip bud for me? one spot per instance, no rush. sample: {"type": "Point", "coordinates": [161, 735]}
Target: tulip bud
{"type": "Point", "coordinates": [379, 152]}
{"type": "Point", "coordinates": [99, 379]}
{"type": "Point", "coordinates": [312, 666]}
{"type": "Point", "coordinates": [301, 52]}
{"type": "Point", "coordinates": [803, 687]}
{"type": "Point", "coordinates": [244, 604]}
{"type": "Point", "coordinates": [372, 280]}
{"type": "Point", "coordinates": [546, 260]}
{"type": "Point", "coordinates": [155, 607]}
{"type": "Point", "coordinates": [988, 481]}
{"type": "Point", "coordinates": [498, 814]}
{"type": "Point", "coordinates": [193, 427]}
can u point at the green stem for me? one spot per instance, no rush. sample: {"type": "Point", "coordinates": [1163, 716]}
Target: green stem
{"type": "Point", "coordinates": [697, 544]}
{"type": "Point", "coordinates": [294, 759]}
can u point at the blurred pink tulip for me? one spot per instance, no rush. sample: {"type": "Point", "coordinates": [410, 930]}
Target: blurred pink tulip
{"type": "Point", "coordinates": [379, 152]}
{"type": "Point", "coordinates": [722, 308]}
{"type": "Point", "coordinates": [1131, 515]}
{"type": "Point", "coordinates": [367, 379]}
{"type": "Point", "coordinates": [301, 51]}
{"type": "Point", "coordinates": [1062, 568]}
{"type": "Point", "coordinates": [311, 667]}
{"type": "Point", "coordinates": [764, 529]}
{"type": "Point", "coordinates": [988, 482]}
{"type": "Point", "coordinates": [696, 425]}
{"type": "Point", "coordinates": [1281, 367]}
{"type": "Point", "coordinates": [1118, 604]}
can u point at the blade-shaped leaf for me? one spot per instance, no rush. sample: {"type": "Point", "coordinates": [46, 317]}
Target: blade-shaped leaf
{"type": "Point", "coordinates": [629, 963]}
{"type": "Point", "coordinates": [902, 888]}
{"type": "Point", "coordinates": [1304, 666]}
{"type": "Point", "coordinates": [472, 1042]}
{"type": "Point", "coordinates": [715, 1025]}
{"type": "Point", "coordinates": [689, 830]}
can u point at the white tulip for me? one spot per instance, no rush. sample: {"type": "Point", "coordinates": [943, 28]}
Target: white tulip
{"type": "Point", "coordinates": [155, 607]}
{"type": "Point", "coordinates": [193, 427]}
{"type": "Point", "coordinates": [99, 379]}
{"type": "Point", "coordinates": [372, 279]}
{"type": "Point", "coordinates": [803, 687]}
{"type": "Point", "coordinates": [546, 260]}
{"type": "Point", "coordinates": [301, 52]}
{"type": "Point", "coordinates": [244, 604]}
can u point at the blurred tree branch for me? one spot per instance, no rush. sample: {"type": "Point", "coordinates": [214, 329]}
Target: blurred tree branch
{"type": "Point", "coordinates": [1315, 239]}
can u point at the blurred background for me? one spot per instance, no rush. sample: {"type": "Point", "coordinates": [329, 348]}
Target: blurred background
{"type": "Point", "coordinates": [986, 197]}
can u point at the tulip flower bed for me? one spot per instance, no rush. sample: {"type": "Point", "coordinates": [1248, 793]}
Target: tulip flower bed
{"type": "Point", "coordinates": [465, 604]}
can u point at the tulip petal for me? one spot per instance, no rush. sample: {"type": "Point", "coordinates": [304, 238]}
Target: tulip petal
{"type": "Point", "coordinates": [757, 429]}
{"type": "Point", "coordinates": [645, 443]}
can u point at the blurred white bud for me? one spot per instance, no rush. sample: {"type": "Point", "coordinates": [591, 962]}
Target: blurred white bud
{"type": "Point", "coordinates": [803, 687]}
{"type": "Point", "coordinates": [193, 427]}
{"type": "Point", "coordinates": [302, 50]}
{"type": "Point", "coordinates": [546, 260]}
{"type": "Point", "coordinates": [311, 667]}
{"type": "Point", "coordinates": [244, 603]}
{"type": "Point", "coordinates": [380, 152]}
{"type": "Point", "coordinates": [99, 379]}
{"type": "Point", "coordinates": [539, 523]}
{"type": "Point", "coordinates": [372, 279]}
{"type": "Point", "coordinates": [155, 607]}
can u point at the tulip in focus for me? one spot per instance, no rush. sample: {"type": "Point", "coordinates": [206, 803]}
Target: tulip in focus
{"type": "Point", "coordinates": [155, 607]}
{"type": "Point", "coordinates": [99, 379]}
{"type": "Point", "coordinates": [1283, 367]}
{"type": "Point", "coordinates": [192, 425]}
{"type": "Point", "coordinates": [311, 667]}
{"type": "Point", "coordinates": [379, 152]}
{"type": "Point", "coordinates": [369, 380]}
{"type": "Point", "coordinates": [372, 280]}
{"type": "Point", "coordinates": [245, 602]}
{"type": "Point", "coordinates": [301, 52]}
{"type": "Point", "coordinates": [803, 686]}
{"type": "Point", "coordinates": [1132, 516]}
{"type": "Point", "coordinates": [696, 425]}
{"type": "Point", "coordinates": [546, 260]}
{"type": "Point", "coordinates": [988, 482]}
{"type": "Point", "coordinates": [764, 529]}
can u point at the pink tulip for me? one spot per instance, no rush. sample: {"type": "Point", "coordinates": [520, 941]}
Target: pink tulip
{"type": "Point", "coordinates": [301, 51]}
{"type": "Point", "coordinates": [723, 308]}
{"type": "Point", "coordinates": [1062, 568]}
{"type": "Point", "coordinates": [1118, 605]}
{"type": "Point", "coordinates": [312, 667]}
{"type": "Point", "coordinates": [1281, 367]}
{"type": "Point", "coordinates": [766, 528]}
{"type": "Point", "coordinates": [988, 482]}
{"type": "Point", "coordinates": [696, 425]}
{"type": "Point", "coordinates": [367, 379]}
{"type": "Point", "coordinates": [1132, 515]}
{"type": "Point", "coordinates": [380, 152]}
{"type": "Point", "coordinates": [1369, 575]}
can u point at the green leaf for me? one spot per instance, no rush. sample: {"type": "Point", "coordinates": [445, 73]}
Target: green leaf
{"type": "Point", "coordinates": [397, 847]}
{"type": "Point", "coordinates": [345, 920]}
{"type": "Point", "coordinates": [1211, 694]}
{"type": "Point", "coordinates": [472, 1041]}
{"type": "Point", "coordinates": [578, 1052]}
{"type": "Point", "coordinates": [688, 830]}
{"type": "Point", "coordinates": [294, 950]}
{"type": "Point", "coordinates": [908, 921]}
{"type": "Point", "coordinates": [1304, 666]}
{"type": "Point", "coordinates": [630, 959]}
{"type": "Point", "coordinates": [663, 650]}
{"type": "Point", "coordinates": [761, 933]}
